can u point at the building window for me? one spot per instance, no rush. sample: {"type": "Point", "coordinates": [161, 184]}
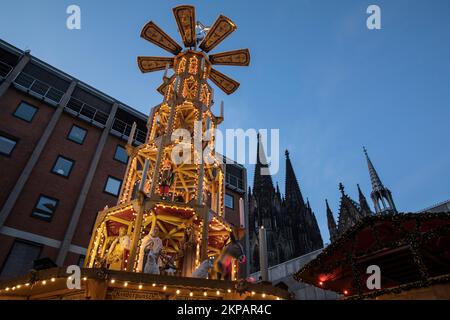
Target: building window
{"type": "Point", "coordinates": [113, 186]}
{"type": "Point", "coordinates": [7, 145]}
{"type": "Point", "coordinates": [45, 208]}
{"type": "Point", "coordinates": [121, 154]}
{"type": "Point", "coordinates": [20, 259]}
{"type": "Point", "coordinates": [229, 201]}
{"type": "Point", "coordinates": [25, 112]}
{"type": "Point", "coordinates": [63, 166]}
{"type": "Point", "coordinates": [77, 134]}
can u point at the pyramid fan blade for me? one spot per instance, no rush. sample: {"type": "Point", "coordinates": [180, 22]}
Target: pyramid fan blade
{"type": "Point", "coordinates": [231, 58]}
{"type": "Point", "coordinates": [221, 29]}
{"type": "Point", "coordinates": [163, 87]}
{"type": "Point", "coordinates": [225, 83]}
{"type": "Point", "coordinates": [154, 34]}
{"type": "Point", "coordinates": [185, 17]}
{"type": "Point", "coordinates": [150, 64]}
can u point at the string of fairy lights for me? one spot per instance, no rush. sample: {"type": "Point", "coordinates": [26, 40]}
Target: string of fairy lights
{"type": "Point", "coordinates": [166, 289]}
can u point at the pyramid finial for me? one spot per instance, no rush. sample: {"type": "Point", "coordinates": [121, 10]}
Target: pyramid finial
{"type": "Point", "coordinates": [287, 154]}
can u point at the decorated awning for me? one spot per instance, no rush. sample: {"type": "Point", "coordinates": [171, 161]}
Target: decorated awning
{"type": "Point", "coordinates": [412, 250]}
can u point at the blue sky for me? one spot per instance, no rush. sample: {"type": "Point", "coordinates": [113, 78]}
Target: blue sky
{"type": "Point", "coordinates": [317, 73]}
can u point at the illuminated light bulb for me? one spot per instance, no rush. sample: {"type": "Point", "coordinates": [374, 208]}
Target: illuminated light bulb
{"type": "Point", "coordinates": [125, 284]}
{"type": "Point", "coordinates": [52, 279]}
{"type": "Point", "coordinates": [218, 292]}
{"type": "Point", "coordinates": [229, 290]}
{"type": "Point", "coordinates": [13, 288]}
{"type": "Point", "coordinates": [253, 293]}
{"type": "Point", "coordinates": [85, 278]}
{"type": "Point", "coordinates": [191, 294]}
{"type": "Point", "coordinates": [178, 291]}
{"type": "Point", "coordinates": [140, 286]}
{"type": "Point", "coordinates": [278, 298]}
{"type": "Point", "coordinates": [154, 285]}
{"type": "Point", "coordinates": [205, 293]}
{"type": "Point", "coordinates": [113, 281]}
{"type": "Point", "coordinates": [346, 292]}
{"type": "Point", "coordinates": [7, 289]}
{"type": "Point", "coordinates": [44, 282]}
{"type": "Point", "coordinates": [27, 284]}
{"type": "Point", "coordinates": [320, 283]}
{"type": "Point", "coordinates": [263, 295]}
{"type": "Point", "coordinates": [165, 288]}
{"type": "Point", "coordinates": [19, 286]}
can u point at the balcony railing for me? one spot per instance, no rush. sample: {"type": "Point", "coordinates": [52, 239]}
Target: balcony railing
{"type": "Point", "coordinates": [123, 129]}
{"type": "Point", "coordinates": [87, 112]}
{"type": "Point", "coordinates": [38, 88]}
{"type": "Point", "coordinates": [5, 69]}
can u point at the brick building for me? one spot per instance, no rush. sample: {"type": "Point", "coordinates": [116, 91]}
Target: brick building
{"type": "Point", "coordinates": [62, 159]}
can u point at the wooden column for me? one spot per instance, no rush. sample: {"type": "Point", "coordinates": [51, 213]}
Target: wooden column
{"type": "Point", "coordinates": [139, 218]}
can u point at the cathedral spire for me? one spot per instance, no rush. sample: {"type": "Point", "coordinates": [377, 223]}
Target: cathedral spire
{"type": "Point", "coordinates": [374, 178]}
{"type": "Point", "coordinates": [261, 180]}
{"type": "Point", "coordinates": [292, 189]}
{"type": "Point", "coordinates": [332, 229]}
{"type": "Point", "coordinates": [365, 209]}
{"type": "Point", "coordinates": [349, 211]}
{"type": "Point", "coordinates": [381, 196]}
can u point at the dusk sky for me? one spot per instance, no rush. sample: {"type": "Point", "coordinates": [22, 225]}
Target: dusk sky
{"type": "Point", "coordinates": [317, 73]}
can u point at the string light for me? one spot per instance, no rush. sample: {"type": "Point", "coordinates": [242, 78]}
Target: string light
{"type": "Point", "coordinates": [52, 279]}
{"type": "Point", "coordinates": [154, 285]}
{"type": "Point", "coordinates": [113, 281]}
{"type": "Point", "coordinates": [205, 293]}
{"type": "Point", "coordinates": [85, 278]}
{"type": "Point", "coordinates": [165, 288]}
{"type": "Point", "coordinates": [140, 286]}
{"type": "Point", "coordinates": [125, 284]}
{"type": "Point", "coordinates": [191, 294]}
{"type": "Point", "coordinates": [263, 295]}
{"type": "Point", "coordinates": [218, 292]}
{"type": "Point", "coordinates": [178, 292]}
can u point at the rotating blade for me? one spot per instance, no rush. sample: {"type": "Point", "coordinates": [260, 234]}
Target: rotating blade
{"type": "Point", "coordinates": [224, 82]}
{"type": "Point", "coordinates": [155, 35]}
{"type": "Point", "coordinates": [185, 17]}
{"type": "Point", "coordinates": [150, 64]}
{"type": "Point", "coordinates": [239, 57]}
{"type": "Point", "coordinates": [221, 29]}
{"type": "Point", "coordinates": [163, 87]}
